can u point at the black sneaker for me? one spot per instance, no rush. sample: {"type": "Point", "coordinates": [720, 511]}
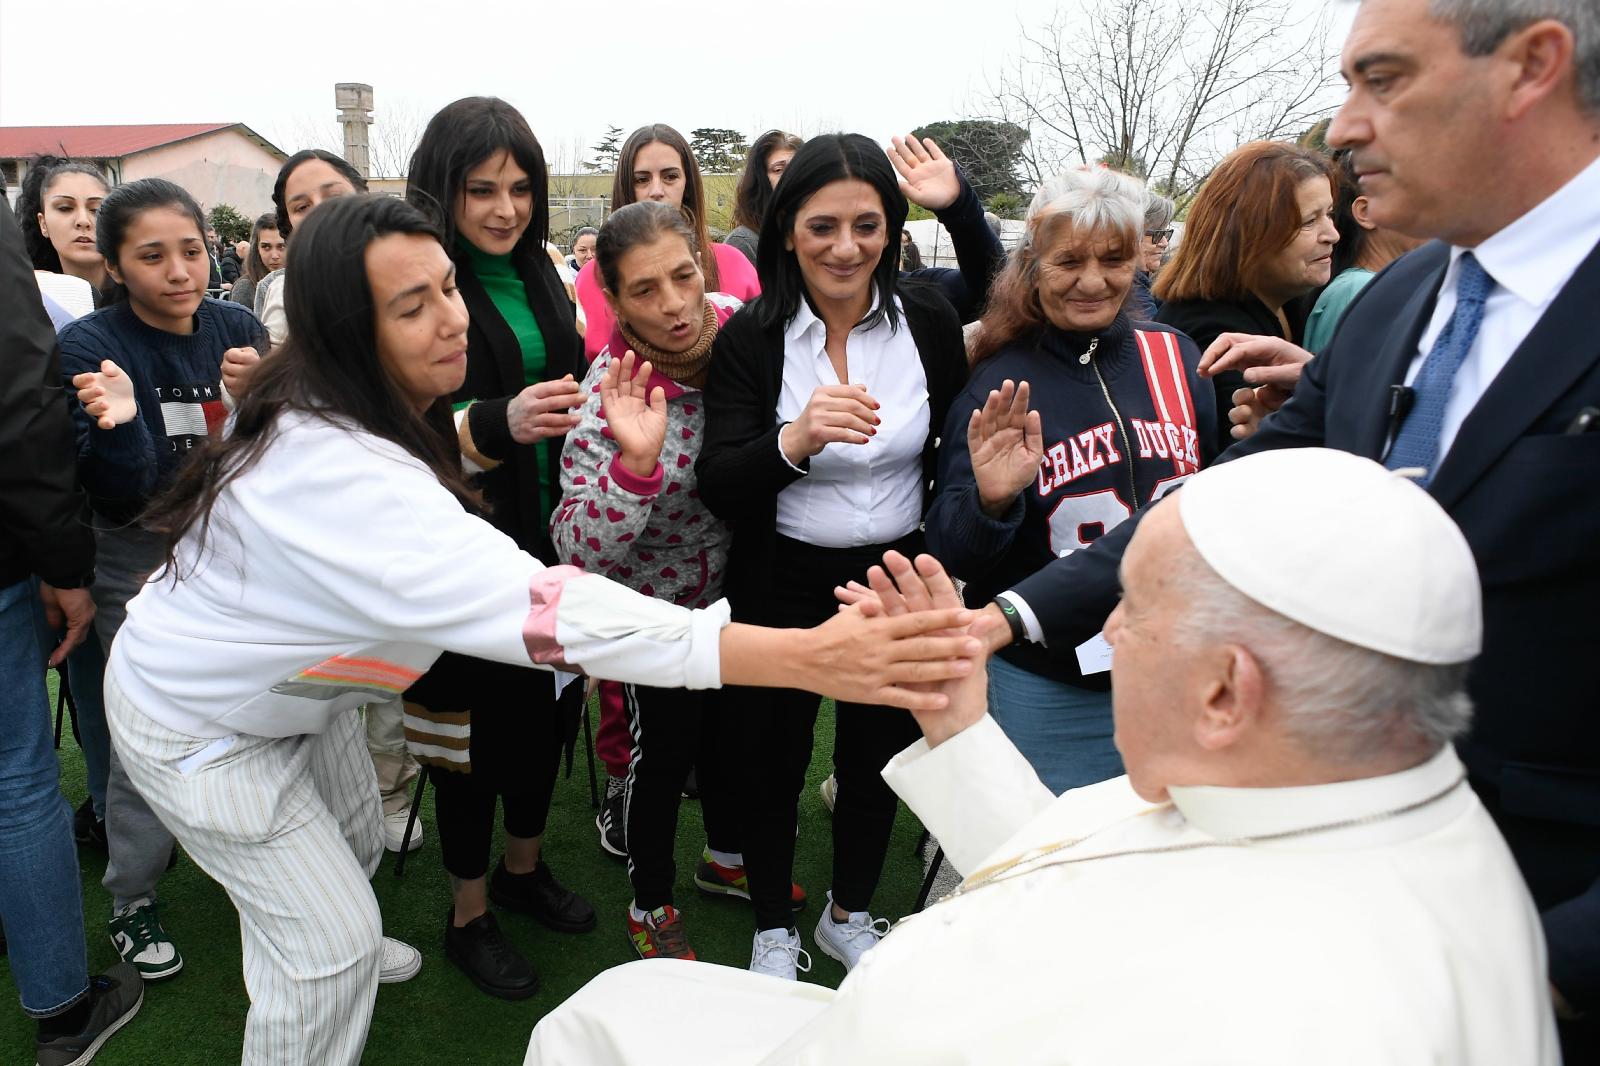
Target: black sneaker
{"type": "Point", "coordinates": [87, 829]}
{"type": "Point", "coordinates": [612, 821]}
{"type": "Point", "coordinates": [114, 998]}
{"type": "Point", "coordinates": [539, 894]}
{"type": "Point", "coordinates": [484, 954]}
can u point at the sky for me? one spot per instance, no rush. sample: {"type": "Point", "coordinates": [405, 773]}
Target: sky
{"type": "Point", "coordinates": [573, 68]}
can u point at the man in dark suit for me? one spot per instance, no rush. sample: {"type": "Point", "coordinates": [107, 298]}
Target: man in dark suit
{"type": "Point", "coordinates": [1470, 363]}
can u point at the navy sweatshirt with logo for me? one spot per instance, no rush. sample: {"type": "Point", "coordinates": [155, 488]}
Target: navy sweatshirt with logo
{"type": "Point", "coordinates": [177, 381]}
{"type": "Point", "coordinates": [1125, 417]}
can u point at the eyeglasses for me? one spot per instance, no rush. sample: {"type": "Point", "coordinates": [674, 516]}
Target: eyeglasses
{"type": "Point", "coordinates": [1158, 235]}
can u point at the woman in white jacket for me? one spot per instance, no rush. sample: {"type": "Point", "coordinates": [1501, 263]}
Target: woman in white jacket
{"type": "Point", "coordinates": [232, 689]}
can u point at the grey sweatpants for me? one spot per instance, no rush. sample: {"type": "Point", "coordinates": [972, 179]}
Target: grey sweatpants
{"type": "Point", "coordinates": [138, 845]}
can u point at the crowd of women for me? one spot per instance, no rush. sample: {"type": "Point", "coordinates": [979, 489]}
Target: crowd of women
{"type": "Point", "coordinates": [424, 451]}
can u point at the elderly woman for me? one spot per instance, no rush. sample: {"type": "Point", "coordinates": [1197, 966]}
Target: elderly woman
{"type": "Point", "coordinates": [1158, 212]}
{"type": "Point", "coordinates": [1123, 418]}
{"type": "Point", "coordinates": [1258, 239]}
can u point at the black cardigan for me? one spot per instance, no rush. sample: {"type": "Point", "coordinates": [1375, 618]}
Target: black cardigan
{"type": "Point", "coordinates": [1206, 320]}
{"type": "Point", "coordinates": [495, 375]}
{"type": "Point", "coordinates": [740, 470]}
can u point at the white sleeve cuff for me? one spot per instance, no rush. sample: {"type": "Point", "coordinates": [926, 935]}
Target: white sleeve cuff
{"type": "Point", "coordinates": [467, 465]}
{"type": "Point", "coordinates": [796, 469]}
{"type": "Point", "coordinates": [1030, 621]}
{"type": "Point", "coordinates": [704, 667]}
{"type": "Point", "coordinates": [973, 792]}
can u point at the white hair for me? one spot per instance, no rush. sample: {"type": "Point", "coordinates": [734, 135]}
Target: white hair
{"type": "Point", "coordinates": [1340, 701]}
{"type": "Point", "coordinates": [1484, 24]}
{"type": "Point", "coordinates": [1093, 200]}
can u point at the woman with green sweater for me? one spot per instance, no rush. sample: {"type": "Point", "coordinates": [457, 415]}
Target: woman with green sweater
{"type": "Point", "coordinates": [496, 732]}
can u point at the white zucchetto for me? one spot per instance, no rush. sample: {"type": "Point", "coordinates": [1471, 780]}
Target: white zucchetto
{"type": "Point", "coordinates": [1341, 545]}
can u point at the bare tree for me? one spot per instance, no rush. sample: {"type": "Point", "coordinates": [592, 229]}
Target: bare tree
{"type": "Point", "coordinates": [392, 138]}
{"type": "Point", "coordinates": [1163, 88]}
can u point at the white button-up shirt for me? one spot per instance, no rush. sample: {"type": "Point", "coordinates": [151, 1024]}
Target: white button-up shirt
{"type": "Point", "coordinates": [856, 494]}
{"type": "Point", "coordinates": [1530, 260]}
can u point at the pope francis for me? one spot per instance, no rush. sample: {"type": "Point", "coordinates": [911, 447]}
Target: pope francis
{"type": "Point", "coordinates": [1292, 871]}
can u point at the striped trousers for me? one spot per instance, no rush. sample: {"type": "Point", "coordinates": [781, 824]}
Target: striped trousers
{"type": "Point", "coordinates": [290, 828]}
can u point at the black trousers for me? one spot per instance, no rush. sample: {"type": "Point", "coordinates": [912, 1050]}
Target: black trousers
{"type": "Point", "coordinates": [518, 730]}
{"type": "Point", "coordinates": [674, 730]}
{"type": "Point", "coordinates": [778, 731]}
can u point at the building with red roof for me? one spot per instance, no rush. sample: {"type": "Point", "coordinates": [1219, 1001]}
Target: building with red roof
{"type": "Point", "coordinates": [218, 162]}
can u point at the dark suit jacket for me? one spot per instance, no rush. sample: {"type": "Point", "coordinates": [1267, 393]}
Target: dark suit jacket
{"type": "Point", "coordinates": [1524, 494]}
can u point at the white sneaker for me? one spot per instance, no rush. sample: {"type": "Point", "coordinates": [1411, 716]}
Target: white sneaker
{"type": "Point", "coordinates": [829, 789]}
{"type": "Point", "coordinates": [400, 962]}
{"type": "Point", "coordinates": [847, 941]}
{"type": "Point", "coordinates": [777, 953]}
{"type": "Point", "coordinates": [394, 830]}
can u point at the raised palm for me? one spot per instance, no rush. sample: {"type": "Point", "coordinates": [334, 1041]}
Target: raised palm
{"type": "Point", "coordinates": [635, 413]}
{"type": "Point", "coordinates": [107, 395]}
{"type": "Point", "coordinates": [1006, 443]}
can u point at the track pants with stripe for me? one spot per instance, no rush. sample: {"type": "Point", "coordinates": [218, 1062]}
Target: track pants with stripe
{"type": "Point", "coordinates": [291, 829]}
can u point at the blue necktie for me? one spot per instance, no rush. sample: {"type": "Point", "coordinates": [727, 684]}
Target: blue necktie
{"type": "Point", "coordinates": [1417, 443]}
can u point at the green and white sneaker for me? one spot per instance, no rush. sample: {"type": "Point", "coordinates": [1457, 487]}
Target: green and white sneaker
{"type": "Point", "coordinates": [137, 935]}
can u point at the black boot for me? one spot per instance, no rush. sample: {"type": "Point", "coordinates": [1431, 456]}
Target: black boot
{"type": "Point", "coordinates": [539, 894]}
{"type": "Point", "coordinates": [484, 954]}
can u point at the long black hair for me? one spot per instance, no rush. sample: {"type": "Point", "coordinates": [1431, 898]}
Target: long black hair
{"type": "Point", "coordinates": [42, 173]}
{"type": "Point", "coordinates": [124, 204]}
{"type": "Point", "coordinates": [822, 160]}
{"type": "Point", "coordinates": [350, 174]}
{"type": "Point", "coordinates": [461, 136]}
{"type": "Point", "coordinates": [755, 188]}
{"type": "Point", "coordinates": [328, 367]}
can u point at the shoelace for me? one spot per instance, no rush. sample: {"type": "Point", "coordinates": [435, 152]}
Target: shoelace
{"type": "Point", "coordinates": [790, 948]}
{"type": "Point", "coordinates": [142, 925]}
{"type": "Point", "coordinates": [671, 939]}
{"type": "Point", "coordinates": [877, 928]}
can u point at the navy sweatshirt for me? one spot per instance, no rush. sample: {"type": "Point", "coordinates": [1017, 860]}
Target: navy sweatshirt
{"type": "Point", "coordinates": [177, 381]}
{"type": "Point", "coordinates": [1121, 427]}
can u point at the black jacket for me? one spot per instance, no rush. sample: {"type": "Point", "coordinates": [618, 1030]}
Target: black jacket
{"type": "Point", "coordinates": [495, 375]}
{"type": "Point", "coordinates": [1206, 320]}
{"type": "Point", "coordinates": [1523, 492]}
{"type": "Point", "coordinates": [740, 470]}
{"type": "Point", "coordinates": [43, 518]}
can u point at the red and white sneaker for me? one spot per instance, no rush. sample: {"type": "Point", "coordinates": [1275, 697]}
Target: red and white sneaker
{"type": "Point", "coordinates": [661, 935]}
{"type": "Point", "coordinates": [715, 879]}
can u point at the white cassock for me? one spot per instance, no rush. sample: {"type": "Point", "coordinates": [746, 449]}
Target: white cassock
{"type": "Point", "coordinates": [1406, 939]}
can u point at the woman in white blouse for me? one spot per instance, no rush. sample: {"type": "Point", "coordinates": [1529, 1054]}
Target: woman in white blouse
{"type": "Point", "coordinates": [822, 404]}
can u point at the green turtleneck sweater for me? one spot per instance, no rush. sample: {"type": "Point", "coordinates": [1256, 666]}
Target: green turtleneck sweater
{"type": "Point", "coordinates": [510, 297]}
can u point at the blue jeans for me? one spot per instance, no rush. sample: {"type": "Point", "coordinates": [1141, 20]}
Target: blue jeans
{"type": "Point", "coordinates": [41, 898]}
{"type": "Point", "coordinates": [86, 674]}
{"type": "Point", "coordinates": [1064, 731]}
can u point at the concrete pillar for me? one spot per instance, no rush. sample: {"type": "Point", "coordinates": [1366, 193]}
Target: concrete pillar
{"type": "Point", "coordinates": [354, 101]}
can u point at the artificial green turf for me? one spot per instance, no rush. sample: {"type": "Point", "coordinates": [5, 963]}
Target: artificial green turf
{"type": "Point", "coordinates": [438, 1016]}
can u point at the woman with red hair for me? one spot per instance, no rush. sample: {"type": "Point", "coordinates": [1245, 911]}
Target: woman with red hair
{"type": "Point", "coordinates": [1258, 239]}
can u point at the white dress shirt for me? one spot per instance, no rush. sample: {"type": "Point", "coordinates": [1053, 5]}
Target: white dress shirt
{"type": "Point", "coordinates": [856, 494]}
{"type": "Point", "coordinates": [1530, 261]}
